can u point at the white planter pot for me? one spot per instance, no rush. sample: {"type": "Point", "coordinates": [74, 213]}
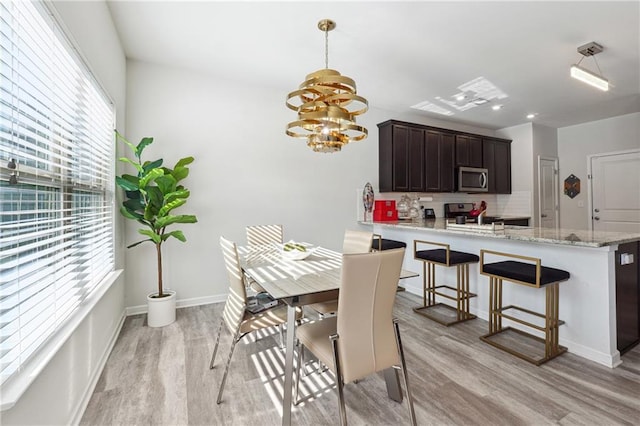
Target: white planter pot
{"type": "Point", "coordinates": [161, 311]}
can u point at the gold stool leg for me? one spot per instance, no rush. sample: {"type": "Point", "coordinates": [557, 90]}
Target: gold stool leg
{"type": "Point", "coordinates": [552, 320]}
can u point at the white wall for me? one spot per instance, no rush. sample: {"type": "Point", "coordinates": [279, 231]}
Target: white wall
{"type": "Point", "coordinates": [545, 144]}
{"type": "Point", "coordinates": [57, 396]}
{"type": "Point", "coordinates": [247, 171]}
{"type": "Point", "coordinates": [577, 142]}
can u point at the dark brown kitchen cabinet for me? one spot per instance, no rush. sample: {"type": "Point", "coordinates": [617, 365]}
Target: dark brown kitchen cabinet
{"type": "Point", "coordinates": [418, 158]}
{"type": "Point", "coordinates": [439, 161]}
{"type": "Point", "coordinates": [401, 158]}
{"type": "Point", "coordinates": [496, 158]}
{"type": "Point", "coordinates": [468, 151]}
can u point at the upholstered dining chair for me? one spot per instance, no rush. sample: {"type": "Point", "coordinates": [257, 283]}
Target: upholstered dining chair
{"type": "Point", "coordinates": [259, 235]}
{"type": "Point", "coordinates": [354, 242]}
{"type": "Point", "coordinates": [238, 320]}
{"type": "Point", "coordinates": [363, 338]}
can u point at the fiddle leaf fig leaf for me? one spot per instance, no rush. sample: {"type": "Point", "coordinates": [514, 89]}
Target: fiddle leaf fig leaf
{"type": "Point", "coordinates": [170, 206]}
{"type": "Point", "coordinates": [183, 162]}
{"type": "Point", "coordinates": [129, 214]}
{"type": "Point", "coordinates": [175, 234]}
{"type": "Point", "coordinates": [166, 183]}
{"type": "Point", "coordinates": [168, 220]}
{"type": "Point", "coordinates": [142, 145]}
{"type": "Point", "coordinates": [150, 176]}
{"type": "Point", "coordinates": [182, 193]}
{"type": "Point", "coordinates": [154, 236]}
{"type": "Point", "coordinates": [126, 184]}
{"type": "Point", "coordinates": [148, 165]}
{"type": "Point", "coordinates": [133, 163]}
{"type": "Point", "coordinates": [180, 173]}
{"type": "Point", "coordinates": [123, 139]}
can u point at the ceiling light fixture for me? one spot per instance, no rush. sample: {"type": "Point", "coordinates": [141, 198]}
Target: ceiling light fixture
{"type": "Point", "coordinates": [496, 107]}
{"type": "Point", "coordinates": [531, 116]}
{"type": "Point", "coordinates": [586, 76]}
{"type": "Point", "coordinates": [322, 103]}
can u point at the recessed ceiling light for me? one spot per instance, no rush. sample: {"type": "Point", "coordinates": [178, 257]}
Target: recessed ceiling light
{"type": "Point", "coordinates": [496, 107]}
{"type": "Point", "coordinates": [460, 98]}
{"type": "Point", "coordinates": [530, 116]}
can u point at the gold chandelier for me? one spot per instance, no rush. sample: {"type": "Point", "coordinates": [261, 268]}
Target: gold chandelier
{"type": "Point", "coordinates": [327, 104]}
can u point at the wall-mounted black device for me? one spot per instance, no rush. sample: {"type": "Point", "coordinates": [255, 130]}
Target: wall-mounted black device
{"type": "Point", "coordinates": [429, 214]}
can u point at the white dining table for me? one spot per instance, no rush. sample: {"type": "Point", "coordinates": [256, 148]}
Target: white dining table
{"type": "Point", "coordinates": [298, 283]}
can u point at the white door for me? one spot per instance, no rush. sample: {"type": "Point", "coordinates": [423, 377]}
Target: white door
{"type": "Point", "coordinates": [548, 192]}
{"type": "Point", "coordinates": [615, 192]}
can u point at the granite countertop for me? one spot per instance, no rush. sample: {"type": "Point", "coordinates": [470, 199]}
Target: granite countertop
{"type": "Point", "coordinates": [573, 237]}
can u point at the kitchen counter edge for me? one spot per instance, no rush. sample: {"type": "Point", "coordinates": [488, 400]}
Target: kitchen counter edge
{"type": "Point", "coordinates": [571, 237]}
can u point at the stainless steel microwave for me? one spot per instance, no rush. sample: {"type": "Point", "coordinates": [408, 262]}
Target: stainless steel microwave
{"type": "Point", "coordinates": [473, 179]}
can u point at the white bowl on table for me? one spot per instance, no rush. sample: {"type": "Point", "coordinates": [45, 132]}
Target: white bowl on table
{"type": "Point", "coordinates": [295, 254]}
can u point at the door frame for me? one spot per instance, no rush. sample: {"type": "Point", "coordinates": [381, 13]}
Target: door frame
{"type": "Point", "coordinates": [590, 173]}
{"type": "Point", "coordinates": [556, 192]}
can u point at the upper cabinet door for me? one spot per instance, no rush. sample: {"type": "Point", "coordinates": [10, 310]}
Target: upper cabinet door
{"type": "Point", "coordinates": [497, 160]}
{"type": "Point", "coordinates": [401, 158]}
{"type": "Point", "coordinates": [468, 151]}
{"type": "Point", "coordinates": [440, 161]}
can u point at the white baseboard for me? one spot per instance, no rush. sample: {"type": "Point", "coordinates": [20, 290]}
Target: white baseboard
{"type": "Point", "coordinates": [84, 402]}
{"type": "Point", "coordinates": [182, 303]}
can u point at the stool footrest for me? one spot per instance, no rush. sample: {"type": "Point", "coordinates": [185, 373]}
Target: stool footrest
{"type": "Point", "coordinates": [500, 312]}
{"type": "Point", "coordinates": [489, 338]}
{"type": "Point", "coordinates": [463, 294]}
{"type": "Point", "coordinates": [429, 312]}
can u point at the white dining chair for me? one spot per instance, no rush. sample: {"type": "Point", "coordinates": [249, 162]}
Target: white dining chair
{"type": "Point", "coordinates": [355, 242]}
{"type": "Point", "coordinates": [238, 319]}
{"type": "Point", "coordinates": [363, 338]}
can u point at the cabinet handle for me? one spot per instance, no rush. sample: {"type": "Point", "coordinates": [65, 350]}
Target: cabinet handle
{"type": "Point", "coordinates": [543, 215]}
{"type": "Point", "coordinates": [596, 218]}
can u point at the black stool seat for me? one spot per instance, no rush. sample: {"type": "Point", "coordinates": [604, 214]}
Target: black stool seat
{"type": "Point", "coordinates": [384, 244]}
{"type": "Point", "coordinates": [440, 256]}
{"type": "Point", "coordinates": [525, 272]}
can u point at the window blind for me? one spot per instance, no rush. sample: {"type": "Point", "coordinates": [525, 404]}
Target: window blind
{"type": "Point", "coordinates": [56, 181]}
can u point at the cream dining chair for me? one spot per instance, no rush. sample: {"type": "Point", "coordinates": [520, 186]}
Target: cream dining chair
{"type": "Point", "coordinates": [259, 235]}
{"type": "Point", "coordinates": [355, 242]}
{"type": "Point", "coordinates": [363, 338]}
{"type": "Point", "coordinates": [239, 321]}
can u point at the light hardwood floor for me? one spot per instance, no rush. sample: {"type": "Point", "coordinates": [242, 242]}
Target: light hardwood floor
{"type": "Point", "coordinates": [162, 376]}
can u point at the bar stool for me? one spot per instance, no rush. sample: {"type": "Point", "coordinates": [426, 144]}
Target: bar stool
{"type": "Point", "coordinates": [532, 274]}
{"type": "Point", "coordinates": [444, 257]}
{"type": "Point", "coordinates": [380, 243]}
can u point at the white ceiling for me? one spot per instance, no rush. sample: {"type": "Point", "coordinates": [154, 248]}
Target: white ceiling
{"type": "Point", "coordinates": [404, 53]}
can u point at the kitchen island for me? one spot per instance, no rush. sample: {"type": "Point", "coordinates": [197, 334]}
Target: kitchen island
{"type": "Point", "coordinates": [587, 299]}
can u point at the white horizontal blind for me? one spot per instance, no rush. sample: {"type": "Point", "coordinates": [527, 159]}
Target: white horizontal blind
{"type": "Point", "coordinates": [56, 181]}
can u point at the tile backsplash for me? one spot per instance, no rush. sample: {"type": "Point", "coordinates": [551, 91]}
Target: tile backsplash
{"type": "Point", "coordinates": [516, 204]}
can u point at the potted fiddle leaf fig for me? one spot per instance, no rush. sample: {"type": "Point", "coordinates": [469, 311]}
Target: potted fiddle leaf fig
{"type": "Point", "coordinates": [151, 198]}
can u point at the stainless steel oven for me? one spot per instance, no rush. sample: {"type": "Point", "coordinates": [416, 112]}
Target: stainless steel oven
{"type": "Point", "coordinates": [473, 179]}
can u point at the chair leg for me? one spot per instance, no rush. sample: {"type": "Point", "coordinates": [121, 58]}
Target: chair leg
{"type": "Point", "coordinates": [236, 338]}
{"type": "Point", "coordinates": [299, 366]}
{"type": "Point", "coordinates": [281, 332]}
{"type": "Point", "coordinates": [405, 374]}
{"type": "Point", "coordinates": [339, 382]}
{"type": "Point", "coordinates": [215, 348]}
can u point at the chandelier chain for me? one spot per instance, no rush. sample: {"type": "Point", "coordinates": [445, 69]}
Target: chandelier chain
{"type": "Point", "coordinates": [326, 48]}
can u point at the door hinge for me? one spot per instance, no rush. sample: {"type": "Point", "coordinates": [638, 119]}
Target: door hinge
{"type": "Point", "coordinates": [588, 176]}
